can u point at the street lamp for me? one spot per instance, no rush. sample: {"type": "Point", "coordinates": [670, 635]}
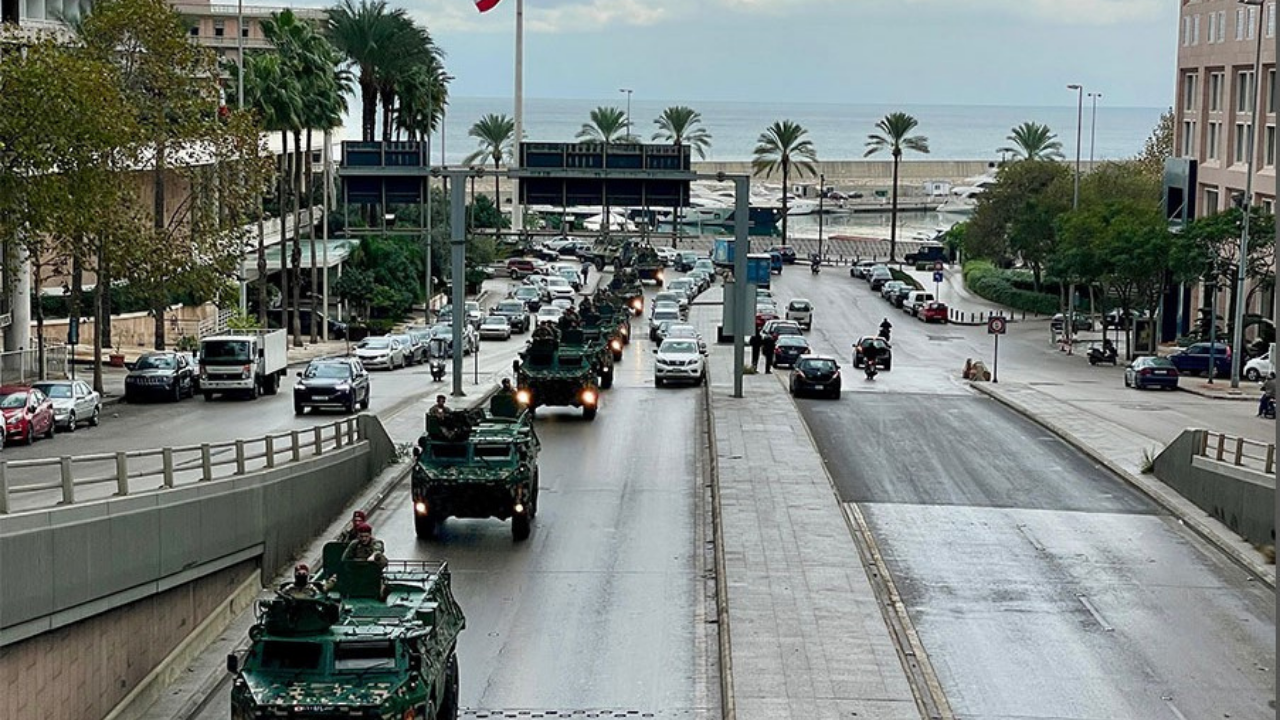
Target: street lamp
{"type": "Point", "coordinates": [628, 92]}
{"type": "Point", "coordinates": [1070, 320]}
{"type": "Point", "coordinates": [1237, 335]}
{"type": "Point", "coordinates": [1093, 125]}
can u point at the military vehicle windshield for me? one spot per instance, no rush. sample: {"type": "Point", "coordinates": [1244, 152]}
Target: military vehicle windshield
{"type": "Point", "coordinates": [292, 656]}
{"type": "Point", "coordinates": [363, 655]}
{"type": "Point", "coordinates": [448, 451]}
{"type": "Point", "coordinates": [493, 452]}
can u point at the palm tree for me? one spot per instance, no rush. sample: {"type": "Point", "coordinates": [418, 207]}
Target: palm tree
{"type": "Point", "coordinates": [783, 145]}
{"type": "Point", "coordinates": [1033, 141]}
{"type": "Point", "coordinates": [409, 50]}
{"type": "Point", "coordinates": [894, 136]}
{"type": "Point", "coordinates": [680, 125]}
{"type": "Point", "coordinates": [363, 33]}
{"type": "Point", "coordinates": [495, 135]}
{"type": "Point", "coordinates": [608, 125]}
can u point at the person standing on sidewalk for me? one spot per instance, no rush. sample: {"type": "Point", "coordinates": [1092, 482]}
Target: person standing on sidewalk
{"type": "Point", "coordinates": [767, 345]}
{"type": "Point", "coordinates": [586, 272]}
{"type": "Point", "coordinates": [755, 350]}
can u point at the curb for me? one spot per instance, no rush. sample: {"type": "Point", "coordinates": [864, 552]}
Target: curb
{"type": "Point", "coordinates": [1181, 508]}
{"type": "Point", "coordinates": [1228, 397]}
{"type": "Point", "coordinates": [728, 705]}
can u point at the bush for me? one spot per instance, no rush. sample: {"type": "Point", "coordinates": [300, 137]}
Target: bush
{"type": "Point", "coordinates": [1000, 286]}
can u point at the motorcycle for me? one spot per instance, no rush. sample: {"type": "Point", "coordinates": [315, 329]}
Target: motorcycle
{"type": "Point", "coordinates": [884, 333]}
{"type": "Point", "coordinates": [1102, 355]}
{"type": "Point", "coordinates": [437, 369]}
{"type": "Point", "coordinates": [871, 370]}
{"type": "Point", "coordinates": [438, 353]}
{"type": "Point", "coordinates": [1269, 408]}
{"type": "Point", "coordinates": [815, 266]}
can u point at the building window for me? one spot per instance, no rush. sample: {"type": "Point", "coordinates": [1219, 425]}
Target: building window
{"type": "Point", "coordinates": [1215, 92]}
{"type": "Point", "coordinates": [1269, 152]}
{"type": "Point", "coordinates": [1244, 91]}
{"type": "Point", "coordinates": [1186, 31]}
{"type": "Point", "coordinates": [1268, 206]}
{"type": "Point", "coordinates": [1188, 138]}
{"type": "Point", "coordinates": [1189, 92]}
{"type": "Point", "coordinates": [1271, 20]}
{"type": "Point", "coordinates": [1271, 90]}
{"type": "Point", "coordinates": [1214, 141]}
{"type": "Point", "coordinates": [1252, 28]}
{"type": "Point", "coordinates": [1244, 138]}
{"type": "Point", "coordinates": [1240, 23]}
{"type": "Point", "coordinates": [1195, 30]}
{"type": "Point", "coordinates": [194, 31]}
{"type": "Point", "coordinates": [1210, 202]}
{"type": "Point", "coordinates": [1222, 26]}
{"type": "Point", "coordinates": [244, 31]}
{"type": "Point", "coordinates": [219, 28]}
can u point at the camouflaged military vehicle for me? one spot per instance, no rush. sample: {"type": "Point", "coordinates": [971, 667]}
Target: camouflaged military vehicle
{"type": "Point", "coordinates": [551, 373]}
{"type": "Point", "coordinates": [608, 323]}
{"type": "Point", "coordinates": [647, 264]}
{"type": "Point", "coordinates": [477, 464]}
{"type": "Point", "coordinates": [626, 287]}
{"type": "Point", "coordinates": [595, 348]}
{"type": "Point", "coordinates": [379, 644]}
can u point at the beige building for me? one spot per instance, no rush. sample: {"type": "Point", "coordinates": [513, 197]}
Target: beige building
{"type": "Point", "coordinates": [1218, 43]}
{"type": "Point", "coordinates": [219, 26]}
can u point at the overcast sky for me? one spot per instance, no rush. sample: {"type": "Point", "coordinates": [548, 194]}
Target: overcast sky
{"type": "Point", "coordinates": [966, 52]}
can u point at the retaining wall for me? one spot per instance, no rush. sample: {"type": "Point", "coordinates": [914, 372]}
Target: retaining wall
{"type": "Point", "coordinates": [1242, 498]}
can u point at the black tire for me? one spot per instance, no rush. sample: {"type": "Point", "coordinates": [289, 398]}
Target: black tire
{"type": "Point", "coordinates": [177, 390]}
{"type": "Point", "coordinates": [364, 404]}
{"type": "Point", "coordinates": [351, 406]}
{"type": "Point", "coordinates": [208, 395]}
{"type": "Point", "coordinates": [449, 703]}
{"type": "Point", "coordinates": [835, 394]}
{"type": "Point", "coordinates": [520, 527]}
{"type": "Point", "coordinates": [888, 366]}
{"type": "Point", "coordinates": [589, 413]}
{"type": "Point", "coordinates": [425, 526]}
{"type": "Point", "coordinates": [71, 422]}
{"type": "Point", "coordinates": [606, 378]}
{"type": "Point", "coordinates": [254, 391]}
{"type": "Point", "coordinates": [299, 409]}
{"type": "Point", "coordinates": [1251, 375]}
{"type": "Point", "coordinates": [30, 436]}
{"type": "Point", "coordinates": [659, 382]}
{"type": "Point", "coordinates": [53, 428]}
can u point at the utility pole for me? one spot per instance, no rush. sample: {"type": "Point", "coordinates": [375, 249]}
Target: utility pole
{"type": "Point", "coordinates": [1069, 320]}
{"type": "Point", "coordinates": [628, 92]}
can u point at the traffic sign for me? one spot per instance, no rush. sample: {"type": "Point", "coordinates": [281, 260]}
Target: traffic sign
{"type": "Point", "coordinates": [996, 325]}
{"type": "Point", "coordinates": [937, 276]}
{"type": "Point", "coordinates": [937, 266]}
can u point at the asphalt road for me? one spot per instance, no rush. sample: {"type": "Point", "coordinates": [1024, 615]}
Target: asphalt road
{"type": "Point", "coordinates": [598, 611]}
{"type": "Point", "coordinates": [1040, 585]}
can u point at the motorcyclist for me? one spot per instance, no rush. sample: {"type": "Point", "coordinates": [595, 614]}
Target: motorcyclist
{"type": "Point", "coordinates": [1268, 398]}
{"type": "Point", "coordinates": [1108, 349]}
{"type": "Point", "coordinates": [815, 262]}
{"type": "Point", "coordinates": [870, 354]}
{"type": "Point", "coordinates": [885, 328]}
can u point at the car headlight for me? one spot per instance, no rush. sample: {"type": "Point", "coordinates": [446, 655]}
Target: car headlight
{"type": "Point", "coordinates": [13, 420]}
{"type": "Point", "coordinates": [299, 387]}
{"type": "Point", "coordinates": [588, 397]}
{"type": "Point", "coordinates": [344, 387]}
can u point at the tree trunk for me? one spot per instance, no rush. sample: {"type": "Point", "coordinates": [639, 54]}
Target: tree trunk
{"type": "Point", "coordinates": [100, 293]}
{"type": "Point", "coordinates": [893, 209]}
{"type": "Point", "coordinates": [309, 177]}
{"type": "Point", "coordinates": [262, 266]}
{"type": "Point", "coordinates": [37, 279]}
{"type": "Point", "coordinates": [786, 174]}
{"type": "Point", "coordinates": [284, 242]}
{"type": "Point", "coordinates": [158, 315]}
{"type": "Point", "coordinates": [1035, 275]}
{"type": "Point", "coordinates": [368, 107]}
{"type": "Point", "coordinates": [296, 317]}
{"type": "Point", "coordinates": [77, 287]}
{"type": "Point", "coordinates": [158, 220]}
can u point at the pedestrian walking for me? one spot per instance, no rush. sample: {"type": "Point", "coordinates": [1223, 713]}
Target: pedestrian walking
{"type": "Point", "coordinates": [767, 345]}
{"type": "Point", "coordinates": [755, 350]}
{"type": "Point", "coordinates": [586, 272]}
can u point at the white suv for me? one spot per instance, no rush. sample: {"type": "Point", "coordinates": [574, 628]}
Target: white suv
{"type": "Point", "coordinates": [558, 287]}
{"type": "Point", "coordinates": [800, 311]}
{"type": "Point", "coordinates": [679, 360]}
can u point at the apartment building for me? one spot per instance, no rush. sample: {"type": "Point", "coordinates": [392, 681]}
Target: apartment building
{"type": "Point", "coordinates": [1218, 45]}
{"type": "Point", "coordinates": [226, 28]}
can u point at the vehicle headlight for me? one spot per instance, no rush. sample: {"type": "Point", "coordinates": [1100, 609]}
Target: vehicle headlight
{"type": "Point", "coordinates": [615, 345]}
{"type": "Point", "coordinates": [344, 387]}
{"type": "Point", "coordinates": [589, 397]}
{"type": "Point", "coordinates": [523, 397]}
{"type": "Point", "coordinates": [13, 420]}
{"type": "Point", "coordinates": [299, 386]}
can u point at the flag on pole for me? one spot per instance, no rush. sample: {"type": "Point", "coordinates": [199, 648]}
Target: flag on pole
{"type": "Point", "coordinates": [486, 5]}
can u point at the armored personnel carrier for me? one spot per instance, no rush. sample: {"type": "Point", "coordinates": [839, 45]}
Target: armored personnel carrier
{"type": "Point", "coordinates": [625, 286]}
{"type": "Point", "coordinates": [608, 323]}
{"type": "Point", "coordinates": [647, 264]}
{"type": "Point", "coordinates": [477, 464]}
{"type": "Point", "coordinates": [596, 350]}
{"type": "Point", "coordinates": [551, 373]}
{"type": "Point", "coordinates": [379, 644]}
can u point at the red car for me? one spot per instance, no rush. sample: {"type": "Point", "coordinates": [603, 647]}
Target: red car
{"type": "Point", "coordinates": [934, 312]}
{"type": "Point", "coordinates": [28, 413]}
{"type": "Point", "coordinates": [764, 315]}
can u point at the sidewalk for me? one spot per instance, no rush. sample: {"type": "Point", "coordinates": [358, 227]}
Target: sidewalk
{"type": "Point", "coordinates": [1121, 450]}
{"type": "Point", "coordinates": [808, 639]}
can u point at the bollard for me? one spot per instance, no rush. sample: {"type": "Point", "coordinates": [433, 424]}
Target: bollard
{"type": "Point", "coordinates": [206, 462]}
{"type": "Point", "coordinates": [1239, 452]}
{"type": "Point", "coordinates": [353, 431]}
{"type": "Point", "coordinates": [270, 451]}
{"type": "Point", "coordinates": [297, 445]}
{"type": "Point", "coordinates": [337, 436]}
{"type": "Point", "coordinates": [122, 474]}
{"type": "Point", "coordinates": [68, 482]}
{"type": "Point", "coordinates": [166, 455]}
{"type": "Point", "coordinates": [4, 489]}
{"type": "Point", "coordinates": [319, 440]}
{"type": "Point", "coordinates": [239, 457]}
{"type": "Point", "coordinates": [1271, 467]}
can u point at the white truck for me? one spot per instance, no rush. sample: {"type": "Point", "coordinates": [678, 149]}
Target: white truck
{"type": "Point", "coordinates": [246, 362]}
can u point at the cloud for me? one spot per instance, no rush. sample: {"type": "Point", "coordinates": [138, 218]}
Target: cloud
{"type": "Point", "coordinates": [545, 17]}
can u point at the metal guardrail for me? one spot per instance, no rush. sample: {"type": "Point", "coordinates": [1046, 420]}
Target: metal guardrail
{"type": "Point", "coordinates": [1238, 451]}
{"type": "Point", "coordinates": [19, 367]}
{"type": "Point", "coordinates": [176, 466]}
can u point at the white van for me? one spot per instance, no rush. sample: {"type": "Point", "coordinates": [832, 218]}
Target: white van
{"type": "Point", "coordinates": [800, 311]}
{"type": "Point", "coordinates": [916, 299]}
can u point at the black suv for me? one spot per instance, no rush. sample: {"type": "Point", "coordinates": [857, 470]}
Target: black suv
{"type": "Point", "coordinates": [332, 382]}
{"type": "Point", "coordinates": [787, 252]}
{"type": "Point", "coordinates": [515, 313]}
{"type": "Point", "coordinates": [169, 375]}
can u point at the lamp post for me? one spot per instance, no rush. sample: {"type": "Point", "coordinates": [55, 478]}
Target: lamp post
{"type": "Point", "coordinates": [1093, 125]}
{"type": "Point", "coordinates": [628, 92]}
{"type": "Point", "coordinates": [244, 282]}
{"type": "Point", "coordinates": [1069, 322]}
{"type": "Point", "coordinates": [1237, 335]}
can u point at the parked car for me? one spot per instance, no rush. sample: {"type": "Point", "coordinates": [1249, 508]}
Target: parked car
{"type": "Point", "coordinates": [861, 268]}
{"type": "Point", "coordinates": [74, 402]}
{"type": "Point", "coordinates": [470, 339]}
{"type": "Point", "coordinates": [888, 290]}
{"type": "Point", "coordinates": [685, 330]}
{"type": "Point", "coordinates": [1195, 358]}
{"type": "Point", "coordinates": [915, 300]}
{"type": "Point", "coordinates": [685, 287]}
{"type": "Point", "coordinates": [779, 328]}
{"type": "Point", "coordinates": [516, 314]}
{"type": "Point", "coordinates": [680, 299]}
{"type": "Point", "coordinates": [169, 375]}
{"type": "Point", "coordinates": [496, 327]}
{"type": "Point", "coordinates": [684, 260]}
{"type": "Point", "coordinates": [475, 313]}
{"type": "Point", "coordinates": [785, 252]}
{"type": "Point", "coordinates": [660, 313]}
{"type": "Point", "coordinates": [382, 351]}
{"type": "Point", "coordinates": [519, 267]}
{"type": "Point", "coordinates": [765, 313]}
{"type": "Point", "coordinates": [679, 360]}
{"type": "Point", "coordinates": [898, 297]}
{"type": "Point", "coordinates": [884, 356]}
{"type": "Point", "coordinates": [28, 413]}
{"type": "Point", "coordinates": [332, 382]}
{"type": "Point", "coordinates": [1259, 367]}
{"type": "Point", "coordinates": [1150, 371]}
{"type": "Point", "coordinates": [934, 312]}
{"type": "Point", "coordinates": [1080, 323]}
{"type": "Point", "coordinates": [817, 374]}
{"type": "Point", "coordinates": [415, 351]}
{"type": "Point", "coordinates": [788, 350]}
{"type": "Point", "coordinates": [558, 287]}
{"type": "Point", "coordinates": [800, 311]}
{"type": "Point", "coordinates": [879, 276]}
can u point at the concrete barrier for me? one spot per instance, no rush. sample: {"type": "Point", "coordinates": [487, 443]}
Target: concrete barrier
{"type": "Point", "coordinates": [1240, 496]}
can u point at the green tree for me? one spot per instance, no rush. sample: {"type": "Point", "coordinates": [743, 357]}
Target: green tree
{"type": "Point", "coordinates": [895, 136]}
{"type": "Point", "coordinates": [1159, 146]}
{"type": "Point", "coordinates": [680, 125]}
{"type": "Point", "coordinates": [1016, 217]}
{"type": "Point", "coordinates": [367, 33]}
{"type": "Point", "coordinates": [608, 125]}
{"type": "Point", "coordinates": [1033, 141]}
{"type": "Point", "coordinates": [495, 136]}
{"type": "Point", "coordinates": [783, 146]}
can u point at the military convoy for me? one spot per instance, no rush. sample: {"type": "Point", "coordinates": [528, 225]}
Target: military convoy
{"type": "Point", "coordinates": [379, 643]}
{"type": "Point", "coordinates": [477, 464]}
{"type": "Point", "coordinates": [551, 372]}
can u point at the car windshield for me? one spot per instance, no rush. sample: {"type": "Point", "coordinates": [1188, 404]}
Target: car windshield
{"type": "Point", "coordinates": [526, 291]}
{"type": "Point", "coordinates": [472, 306]}
{"type": "Point", "coordinates": [285, 655]}
{"type": "Point", "coordinates": [554, 281]}
{"type": "Point", "coordinates": [679, 347]}
{"type": "Point", "coordinates": [327, 371]}
{"type": "Point", "coordinates": [162, 362]}
{"type": "Point", "coordinates": [816, 365]}
{"type": "Point", "coordinates": [800, 306]}
{"type": "Point", "coordinates": [54, 390]}
{"type": "Point", "coordinates": [510, 307]}
{"type": "Point", "coordinates": [376, 343]}
{"type": "Point", "coordinates": [13, 400]}
{"type": "Point", "coordinates": [404, 339]}
{"type": "Point", "coordinates": [224, 351]}
{"type": "Point", "coordinates": [682, 331]}
{"type": "Point", "coordinates": [786, 330]}
{"type": "Point", "coordinates": [496, 320]}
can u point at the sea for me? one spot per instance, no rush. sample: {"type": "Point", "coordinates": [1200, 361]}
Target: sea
{"type": "Point", "coordinates": [838, 132]}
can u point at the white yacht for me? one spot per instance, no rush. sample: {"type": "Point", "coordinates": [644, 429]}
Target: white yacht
{"type": "Point", "coordinates": [964, 198]}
